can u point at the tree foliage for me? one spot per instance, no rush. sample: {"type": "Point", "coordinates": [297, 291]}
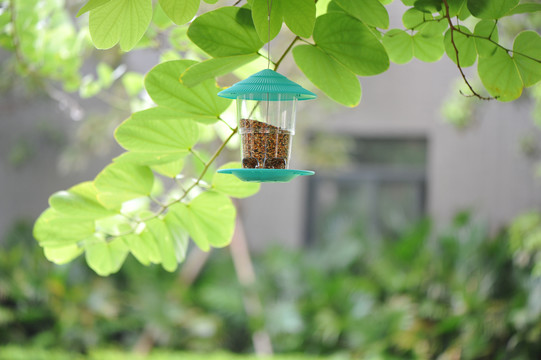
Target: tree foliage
{"type": "Point", "coordinates": [126, 210]}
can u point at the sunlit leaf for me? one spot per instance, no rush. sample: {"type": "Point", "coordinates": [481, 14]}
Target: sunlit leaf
{"type": "Point", "coordinates": [231, 185]}
{"type": "Point", "coordinates": [120, 21]}
{"type": "Point", "coordinates": [120, 182]}
{"type": "Point", "coordinates": [169, 169]}
{"type": "Point", "coordinates": [413, 18]}
{"type": "Point", "coordinates": [91, 5]}
{"type": "Point", "coordinates": [467, 52]}
{"type": "Point", "coordinates": [500, 76]}
{"type": "Point", "coordinates": [334, 79]}
{"type": "Point", "coordinates": [62, 254]}
{"type": "Point", "coordinates": [180, 11]}
{"type": "Point", "coordinates": [299, 16]}
{"type": "Point", "coordinates": [524, 8]}
{"type": "Point", "coordinates": [164, 87]}
{"type": "Point", "coordinates": [371, 12]}
{"type": "Point", "coordinates": [155, 140]}
{"type": "Point", "coordinates": [209, 219]}
{"type": "Point", "coordinates": [105, 257]}
{"type": "Point", "coordinates": [428, 48]}
{"type": "Point", "coordinates": [166, 244]}
{"type": "Point", "coordinates": [456, 6]}
{"type": "Point", "coordinates": [527, 56]}
{"type": "Point", "coordinates": [226, 31]}
{"type": "Point", "coordinates": [212, 68]}
{"type": "Point", "coordinates": [491, 9]}
{"type": "Point", "coordinates": [351, 43]}
{"type": "Point", "coordinates": [80, 203]}
{"type": "Point", "coordinates": [143, 247]}
{"type": "Point", "coordinates": [488, 30]}
{"type": "Point", "coordinates": [55, 229]}
{"type": "Point", "coordinates": [399, 46]}
{"type": "Point", "coordinates": [260, 13]}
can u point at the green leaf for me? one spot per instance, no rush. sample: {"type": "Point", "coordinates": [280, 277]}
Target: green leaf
{"type": "Point", "coordinates": [299, 16]}
{"type": "Point", "coordinates": [143, 247]}
{"type": "Point", "coordinates": [170, 169]}
{"type": "Point", "coordinates": [133, 83]}
{"type": "Point", "coordinates": [456, 6]}
{"type": "Point", "coordinates": [79, 202]}
{"type": "Point", "coordinates": [120, 182]}
{"type": "Point", "coordinates": [91, 5]}
{"type": "Point", "coordinates": [230, 185]}
{"type": "Point", "coordinates": [428, 6]}
{"type": "Point", "coordinates": [351, 43]}
{"type": "Point", "coordinates": [105, 257]}
{"type": "Point", "coordinates": [524, 8]}
{"type": "Point", "coordinates": [169, 255]}
{"type": "Point", "coordinates": [211, 68]}
{"type": "Point", "coordinates": [500, 76]}
{"type": "Point", "coordinates": [62, 254]}
{"type": "Point", "coordinates": [414, 18]}
{"type": "Point", "coordinates": [226, 31]}
{"type": "Point", "coordinates": [527, 56]}
{"type": "Point", "coordinates": [334, 79]}
{"type": "Point", "coordinates": [211, 1]}
{"type": "Point", "coordinates": [153, 140]}
{"type": "Point", "coordinates": [209, 219]}
{"type": "Point", "coordinates": [491, 9]}
{"type": "Point", "coordinates": [180, 11]}
{"type": "Point", "coordinates": [54, 229]}
{"type": "Point", "coordinates": [201, 102]}
{"type": "Point", "coordinates": [428, 48]}
{"type": "Point", "coordinates": [120, 21]}
{"type": "Point", "coordinates": [399, 46]}
{"type": "Point", "coordinates": [260, 12]}
{"type": "Point", "coordinates": [489, 30]}
{"type": "Point", "coordinates": [371, 12]}
{"type": "Point", "coordinates": [467, 52]}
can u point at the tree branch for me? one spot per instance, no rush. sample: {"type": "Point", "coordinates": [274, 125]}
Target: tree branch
{"type": "Point", "coordinates": [453, 29]}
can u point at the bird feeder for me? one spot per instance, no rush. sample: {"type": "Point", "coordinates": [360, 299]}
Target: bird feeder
{"type": "Point", "coordinates": [266, 114]}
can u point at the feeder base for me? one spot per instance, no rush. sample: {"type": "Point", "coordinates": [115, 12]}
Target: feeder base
{"type": "Point", "coordinates": [266, 175]}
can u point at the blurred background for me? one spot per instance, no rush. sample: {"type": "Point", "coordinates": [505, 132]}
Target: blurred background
{"type": "Point", "coordinates": [417, 238]}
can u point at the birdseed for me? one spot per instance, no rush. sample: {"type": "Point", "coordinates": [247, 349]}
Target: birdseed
{"type": "Point", "coordinates": [264, 146]}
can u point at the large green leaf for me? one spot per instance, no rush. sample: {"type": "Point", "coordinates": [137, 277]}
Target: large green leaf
{"type": "Point", "coordinates": [467, 52]}
{"type": "Point", "coordinates": [456, 6]}
{"type": "Point", "coordinates": [91, 5]}
{"type": "Point", "coordinates": [105, 257]}
{"type": "Point", "coordinates": [428, 48]}
{"type": "Point", "coordinates": [491, 9]}
{"type": "Point", "coordinates": [486, 29]}
{"type": "Point", "coordinates": [500, 75]}
{"type": "Point", "coordinates": [371, 12]}
{"type": "Point", "coordinates": [414, 18]}
{"type": "Point", "coordinates": [209, 219]}
{"type": "Point", "coordinates": [120, 21]}
{"type": "Point", "coordinates": [399, 46]}
{"type": "Point", "coordinates": [79, 202]}
{"type": "Point", "coordinates": [260, 16]}
{"type": "Point", "coordinates": [299, 16]}
{"type": "Point", "coordinates": [334, 79]}
{"type": "Point", "coordinates": [231, 185]}
{"type": "Point", "coordinates": [153, 140]}
{"type": "Point", "coordinates": [351, 43]}
{"type": "Point", "coordinates": [62, 254]}
{"type": "Point", "coordinates": [212, 68]}
{"type": "Point", "coordinates": [169, 255]}
{"type": "Point", "coordinates": [54, 229]}
{"type": "Point", "coordinates": [170, 169]}
{"type": "Point", "coordinates": [164, 87]}
{"type": "Point", "coordinates": [524, 8]}
{"type": "Point", "coordinates": [180, 11]}
{"type": "Point", "coordinates": [123, 181]}
{"type": "Point", "coordinates": [226, 31]}
{"type": "Point", "coordinates": [527, 56]}
{"type": "Point", "coordinates": [143, 247]}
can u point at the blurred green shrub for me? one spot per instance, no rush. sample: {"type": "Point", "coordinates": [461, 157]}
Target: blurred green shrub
{"type": "Point", "coordinates": [459, 294]}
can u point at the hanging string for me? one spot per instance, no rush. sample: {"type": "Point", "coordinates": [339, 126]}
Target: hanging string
{"type": "Point", "coordinates": [269, 10]}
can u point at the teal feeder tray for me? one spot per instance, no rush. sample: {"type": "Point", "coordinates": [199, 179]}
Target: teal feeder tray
{"type": "Point", "coordinates": [266, 114]}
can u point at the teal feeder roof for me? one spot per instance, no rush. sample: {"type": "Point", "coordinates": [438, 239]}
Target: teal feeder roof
{"type": "Point", "coordinates": [267, 85]}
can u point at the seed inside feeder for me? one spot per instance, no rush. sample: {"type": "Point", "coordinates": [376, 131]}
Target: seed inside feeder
{"type": "Point", "coordinates": [264, 146]}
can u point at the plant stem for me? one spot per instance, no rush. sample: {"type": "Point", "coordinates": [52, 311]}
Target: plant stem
{"type": "Point", "coordinates": [297, 38]}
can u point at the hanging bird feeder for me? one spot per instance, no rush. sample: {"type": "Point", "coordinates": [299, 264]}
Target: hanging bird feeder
{"type": "Point", "coordinates": [266, 111]}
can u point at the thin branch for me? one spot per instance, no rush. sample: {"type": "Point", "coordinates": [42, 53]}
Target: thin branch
{"type": "Point", "coordinates": [197, 156]}
{"type": "Point", "coordinates": [297, 38]}
{"type": "Point", "coordinates": [453, 29]}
